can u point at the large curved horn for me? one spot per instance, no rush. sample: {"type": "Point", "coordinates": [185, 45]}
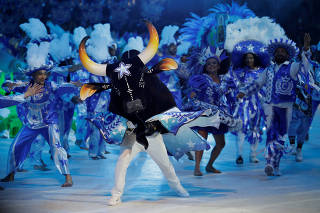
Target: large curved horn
{"type": "Point", "coordinates": [86, 91]}
{"type": "Point", "coordinates": [147, 54]}
{"type": "Point", "coordinates": [91, 66]}
{"type": "Point", "coordinates": [168, 64]}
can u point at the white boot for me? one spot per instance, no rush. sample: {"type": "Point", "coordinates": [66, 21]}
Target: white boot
{"type": "Point", "coordinates": [299, 155]}
{"type": "Point", "coordinates": [253, 159]}
{"type": "Point", "coordinates": [178, 188]}
{"type": "Point", "coordinates": [293, 149]}
{"type": "Point", "coordinates": [277, 172]}
{"type": "Point", "coordinates": [114, 200]}
{"type": "Point", "coordinates": [253, 153]}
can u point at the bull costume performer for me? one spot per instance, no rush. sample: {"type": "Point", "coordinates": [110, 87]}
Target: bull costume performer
{"type": "Point", "coordinates": [139, 97]}
{"type": "Point", "coordinates": [41, 115]}
{"type": "Point", "coordinates": [280, 79]}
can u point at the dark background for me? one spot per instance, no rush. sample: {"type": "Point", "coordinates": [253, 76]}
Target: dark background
{"type": "Point", "coordinates": [295, 16]}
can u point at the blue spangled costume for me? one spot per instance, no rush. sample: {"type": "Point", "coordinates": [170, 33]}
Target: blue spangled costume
{"type": "Point", "coordinates": [97, 103]}
{"type": "Point", "coordinates": [59, 75]}
{"type": "Point", "coordinates": [40, 118]}
{"type": "Point", "coordinates": [81, 110]}
{"type": "Point", "coordinates": [280, 81]}
{"type": "Point", "coordinates": [250, 109]}
{"type": "Point", "coordinates": [211, 95]}
{"type": "Point", "coordinates": [180, 138]}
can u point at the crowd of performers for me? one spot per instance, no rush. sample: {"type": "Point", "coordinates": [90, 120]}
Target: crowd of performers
{"type": "Point", "coordinates": [152, 99]}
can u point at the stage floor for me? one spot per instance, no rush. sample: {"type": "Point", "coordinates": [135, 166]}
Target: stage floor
{"type": "Point", "coordinates": [238, 189]}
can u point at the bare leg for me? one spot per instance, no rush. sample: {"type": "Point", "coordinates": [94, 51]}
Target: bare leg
{"type": "Point", "coordinates": [199, 154]}
{"type": "Point", "coordinates": [220, 143]}
{"type": "Point", "coordinates": [68, 182]}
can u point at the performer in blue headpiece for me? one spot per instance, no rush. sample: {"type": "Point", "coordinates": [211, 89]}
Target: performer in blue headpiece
{"type": "Point", "coordinates": [41, 114]}
{"type": "Point", "coordinates": [210, 90]}
{"type": "Point", "coordinates": [304, 108]}
{"type": "Point", "coordinates": [249, 60]}
{"type": "Point", "coordinates": [280, 79]}
{"type": "Point", "coordinates": [247, 42]}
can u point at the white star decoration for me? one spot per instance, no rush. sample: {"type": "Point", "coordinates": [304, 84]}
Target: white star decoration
{"type": "Point", "coordinates": [190, 144]}
{"type": "Point", "coordinates": [121, 128]}
{"type": "Point", "coordinates": [250, 48]}
{"type": "Point", "coordinates": [263, 49]}
{"type": "Point", "coordinates": [238, 48]}
{"type": "Point", "coordinates": [123, 69]}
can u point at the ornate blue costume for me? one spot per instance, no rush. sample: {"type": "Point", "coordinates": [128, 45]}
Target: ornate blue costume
{"type": "Point", "coordinates": [280, 80]}
{"type": "Point", "coordinates": [39, 116]}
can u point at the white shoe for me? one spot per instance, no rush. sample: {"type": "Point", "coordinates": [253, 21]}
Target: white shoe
{"type": "Point", "coordinates": [114, 200]}
{"type": "Point", "coordinates": [277, 172]}
{"type": "Point", "coordinates": [292, 149]}
{"type": "Point", "coordinates": [181, 192]}
{"type": "Point", "coordinates": [253, 159]}
{"type": "Point", "coordinates": [299, 155]}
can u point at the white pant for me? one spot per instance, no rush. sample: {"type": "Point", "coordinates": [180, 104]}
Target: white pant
{"type": "Point", "coordinates": [157, 152]}
{"type": "Point", "coordinates": [239, 145]}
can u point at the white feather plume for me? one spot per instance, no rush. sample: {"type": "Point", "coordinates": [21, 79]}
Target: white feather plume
{"type": "Point", "coordinates": [60, 48]}
{"type": "Point", "coordinates": [78, 34]}
{"type": "Point", "coordinates": [135, 43]}
{"type": "Point", "coordinates": [55, 29]}
{"type": "Point", "coordinates": [35, 29]}
{"type": "Point", "coordinates": [37, 54]}
{"type": "Point", "coordinates": [167, 35]}
{"type": "Point", "coordinates": [100, 40]}
{"type": "Point", "coordinates": [261, 29]}
{"type": "Point", "coordinates": [183, 48]}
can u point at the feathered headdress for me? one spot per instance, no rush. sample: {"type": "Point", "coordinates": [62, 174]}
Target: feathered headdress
{"type": "Point", "coordinates": [167, 35]}
{"type": "Point", "coordinates": [78, 34]}
{"type": "Point", "coordinates": [60, 48]}
{"type": "Point", "coordinates": [287, 44]}
{"type": "Point", "coordinates": [250, 46]}
{"type": "Point", "coordinates": [100, 40]}
{"type": "Point", "coordinates": [38, 48]}
{"type": "Point", "coordinates": [199, 58]}
{"type": "Point", "coordinates": [251, 35]}
{"type": "Point", "coordinates": [210, 30]}
{"type": "Point", "coordinates": [35, 30]}
{"type": "Point", "coordinates": [183, 48]}
{"type": "Point", "coordinates": [135, 43]}
{"type": "Point", "coordinates": [37, 58]}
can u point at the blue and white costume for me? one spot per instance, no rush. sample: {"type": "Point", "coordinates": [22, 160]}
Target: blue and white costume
{"type": "Point", "coordinates": [81, 111]}
{"type": "Point", "coordinates": [250, 111]}
{"type": "Point", "coordinates": [97, 103]}
{"type": "Point", "coordinates": [67, 107]}
{"type": "Point", "coordinates": [41, 118]}
{"type": "Point", "coordinates": [280, 81]}
{"type": "Point", "coordinates": [301, 115]}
